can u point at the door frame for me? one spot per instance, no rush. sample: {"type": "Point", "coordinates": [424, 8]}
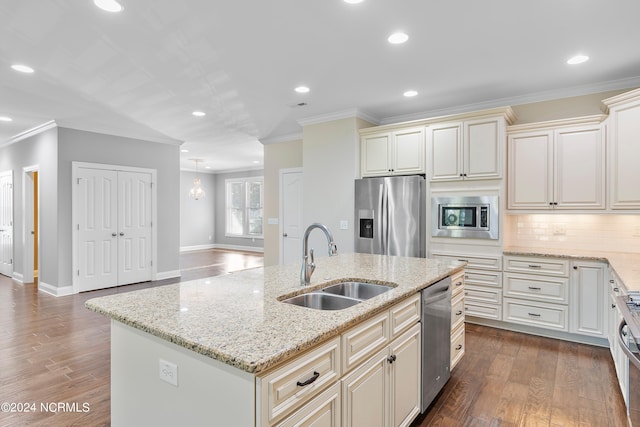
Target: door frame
{"type": "Point", "coordinates": [75, 166]}
{"type": "Point", "coordinates": [28, 207]}
{"type": "Point", "coordinates": [282, 172]}
{"type": "Point", "coordinates": [9, 173]}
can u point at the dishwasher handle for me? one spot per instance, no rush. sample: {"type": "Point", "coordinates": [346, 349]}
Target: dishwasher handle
{"type": "Point", "coordinates": [433, 295]}
{"type": "Point", "coordinates": [623, 345]}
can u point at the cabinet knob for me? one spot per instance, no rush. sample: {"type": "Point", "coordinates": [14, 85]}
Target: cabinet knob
{"type": "Point", "coordinates": [391, 358]}
{"type": "Point", "coordinates": [284, 235]}
{"type": "Point", "coordinates": [575, 267]}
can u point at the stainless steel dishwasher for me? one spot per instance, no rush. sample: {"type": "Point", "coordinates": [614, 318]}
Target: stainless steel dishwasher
{"type": "Point", "coordinates": [436, 340]}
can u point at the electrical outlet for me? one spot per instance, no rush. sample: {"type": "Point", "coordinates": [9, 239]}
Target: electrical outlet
{"type": "Point", "coordinates": [344, 224]}
{"type": "Point", "coordinates": [169, 372]}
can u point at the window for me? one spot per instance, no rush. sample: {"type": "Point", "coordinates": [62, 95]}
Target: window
{"type": "Point", "coordinates": [244, 206]}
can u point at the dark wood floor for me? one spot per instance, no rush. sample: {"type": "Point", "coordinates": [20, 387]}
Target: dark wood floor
{"type": "Point", "coordinates": [54, 350]}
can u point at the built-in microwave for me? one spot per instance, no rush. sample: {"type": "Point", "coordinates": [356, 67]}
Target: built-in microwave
{"type": "Point", "coordinates": [472, 217]}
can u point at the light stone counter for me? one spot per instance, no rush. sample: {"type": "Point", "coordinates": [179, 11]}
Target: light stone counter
{"type": "Point", "coordinates": [239, 320]}
{"type": "Point", "coordinates": [625, 265]}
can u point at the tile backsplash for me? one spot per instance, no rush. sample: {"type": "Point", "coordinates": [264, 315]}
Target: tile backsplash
{"type": "Point", "coordinates": [617, 233]}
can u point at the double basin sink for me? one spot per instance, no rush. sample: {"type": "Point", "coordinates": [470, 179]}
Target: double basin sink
{"type": "Point", "coordinates": [338, 296]}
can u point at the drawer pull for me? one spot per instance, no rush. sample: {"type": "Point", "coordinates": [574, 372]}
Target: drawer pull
{"type": "Point", "coordinates": [458, 283]}
{"type": "Point", "coordinates": [534, 314]}
{"type": "Point", "coordinates": [458, 313]}
{"type": "Point", "coordinates": [533, 288]}
{"type": "Point", "coordinates": [534, 266]}
{"type": "Point", "coordinates": [616, 289]}
{"type": "Point", "coordinates": [463, 260]}
{"type": "Point", "coordinates": [459, 347]}
{"type": "Point", "coordinates": [310, 380]}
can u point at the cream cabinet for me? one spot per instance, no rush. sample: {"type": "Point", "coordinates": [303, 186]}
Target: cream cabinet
{"type": "Point", "coordinates": [385, 390]}
{"type": "Point", "coordinates": [624, 150]}
{"type": "Point", "coordinates": [482, 283]}
{"type": "Point", "coordinates": [466, 150]}
{"type": "Point", "coordinates": [556, 168]}
{"type": "Point", "coordinates": [589, 298]}
{"type": "Point", "coordinates": [457, 319]}
{"type": "Point", "coordinates": [537, 292]}
{"type": "Point", "coordinates": [620, 360]}
{"type": "Point", "coordinates": [394, 152]}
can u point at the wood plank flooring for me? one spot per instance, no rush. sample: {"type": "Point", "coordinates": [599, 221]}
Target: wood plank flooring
{"type": "Point", "coordinates": [54, 350]}
{"type": "Point", "coordinates": [512, 379]}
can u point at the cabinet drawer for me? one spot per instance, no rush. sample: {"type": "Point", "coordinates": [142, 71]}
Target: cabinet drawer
{"type": "Point", "coordinates": [535, 265]}
{"type": "Point", "coordinates": [404, 315]}
{"type": "Point", "coordinates": [549, 316]}
{"type": "Point", "coordinates": [457, 346]}
{"type": "Point", "coordinates": [457, 311]}
{"type": "Point", "coordinates": [487, 311]}
{"type": "Point", "coordinates": [457, 283]}
{"type": "Point", "coordinates": [322, 410]}
{"type": "Point", "coordinates": [281, 391]}
{"type": "Point", "coordinates": [482, 294]}
{"type": "Point", "coordinates": [483, 278]}
{"type": "Point", "coordinates": [359, 342]}
{"type": "Point", "coordinates": [537, 288]}
{"type": "Point", "coordinates": [473, 261]}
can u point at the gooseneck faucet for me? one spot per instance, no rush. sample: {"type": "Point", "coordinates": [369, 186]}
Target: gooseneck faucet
{"type": "Point", "coordinates": [309, 266]}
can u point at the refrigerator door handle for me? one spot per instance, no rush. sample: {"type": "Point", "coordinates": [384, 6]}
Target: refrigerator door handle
{"type": "Point", "coordinates": [382, 219]}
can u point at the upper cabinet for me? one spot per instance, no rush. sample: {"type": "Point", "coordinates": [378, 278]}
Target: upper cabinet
{"type": "Point", "coordinates": [395, 152]}
{"type": "Point", "coordinates": [557, 165]}
{"type": "Point", "coordinates": [624, 150]}
{"type": "Point", "coordinates": [470, 149]}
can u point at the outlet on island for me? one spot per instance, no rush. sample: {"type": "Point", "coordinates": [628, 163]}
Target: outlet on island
{"type": "Point", "coordinates": [169, 372]}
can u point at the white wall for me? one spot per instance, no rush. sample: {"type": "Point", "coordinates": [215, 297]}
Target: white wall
{"type": "Point", "coordinates": [331, 159]}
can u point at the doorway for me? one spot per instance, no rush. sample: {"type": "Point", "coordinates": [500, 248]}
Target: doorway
{"type": "Point", "coordinates": [291, 192]}
{"type": "Point", "coordinates": [6, 223]}
{"type": "Point", "coordinates": [31, 224]}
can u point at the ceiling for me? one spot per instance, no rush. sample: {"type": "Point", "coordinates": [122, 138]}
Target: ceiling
{"type": "Point", "coordinates": [142, 72]}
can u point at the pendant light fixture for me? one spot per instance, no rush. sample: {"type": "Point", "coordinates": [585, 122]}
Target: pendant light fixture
{"type": "Point", "coordinates": [196, 192]}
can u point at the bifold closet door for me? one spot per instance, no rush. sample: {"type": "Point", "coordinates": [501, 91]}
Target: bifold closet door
{"type": "Point", "coordinates": [114, 228]}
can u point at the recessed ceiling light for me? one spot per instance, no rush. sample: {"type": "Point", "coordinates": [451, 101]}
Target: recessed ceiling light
{"type": "Point", "coordinates": [184, 150]}
{"type": "Point", "coordinates": [207, 167]}
{"type": "Point", "coordinates": [353, 1]}
{"type": "Point", "coordinates": [578, 59]}
{"type": "Point", "coordinates": [398, 38]}
{"type": "Point", "coordinates": [256, 162]}
{"type": "Point", "coordinates": [410, 93]}
{"type": "Point", "coordinates": [302, 89]}
{"type": "Point", "coordinates": [109, 5]}
{"type": "Point", "coordinates": [22, 68]}
{"type": "Point", "coordinates": [5, 119]}
{"type": "Point", "coordinates": [199, 113]}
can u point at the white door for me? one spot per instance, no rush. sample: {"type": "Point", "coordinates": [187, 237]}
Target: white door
{"type": "Point", "coordinates": [114, 228]}
{"type": "Point", "coordinates": [96, 213]}
{"type": "Point", "coordinates": [291, 191]}
{"type": "Point", "coordinates": [6, 223]}
{"type": "Point", "coordinates": [134, 227]}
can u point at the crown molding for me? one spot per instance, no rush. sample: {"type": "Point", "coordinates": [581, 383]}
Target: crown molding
{"type": "Point", "coordinates": [338, 115]}
{"type": "Point", "coordinates": [30, 132]}
{"type": "Point", "coordinates": [281, 138]}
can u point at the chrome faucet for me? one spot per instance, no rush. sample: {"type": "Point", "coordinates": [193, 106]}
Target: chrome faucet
{"type": "Point", "coordinates": [309, 267]}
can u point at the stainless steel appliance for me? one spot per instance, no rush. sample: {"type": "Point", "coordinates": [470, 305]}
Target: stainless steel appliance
{"type": "Point", "coordinates": [436, 340]}
{"type": "Point", "coordinates": [390, 216]}
{"type": "Point", "coordinates": [629, 341]}
{"type": "Point", "coordinates": [474, 217]}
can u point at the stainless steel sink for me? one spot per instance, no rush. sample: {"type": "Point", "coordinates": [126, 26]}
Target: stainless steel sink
{"type": "Point", "coordinates": [322, 301]}
{"type": "Point", "coordinates": [358, 290]}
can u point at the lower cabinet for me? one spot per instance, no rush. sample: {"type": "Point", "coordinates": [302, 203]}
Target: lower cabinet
{"type": "Point", "coordinates": [620, 360]}
{"type": "Point", "coordinates": [385, 390]}
{"type": "Point", "coordinates": [457, 319]}
{"type": "Point", "coordinates": [368, 376]}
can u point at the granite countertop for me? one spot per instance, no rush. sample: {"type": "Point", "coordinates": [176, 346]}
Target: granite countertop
{"type": "Point", "coordinates": [625, 265]}
{"type": "Point", "coordinates": [239, 320]}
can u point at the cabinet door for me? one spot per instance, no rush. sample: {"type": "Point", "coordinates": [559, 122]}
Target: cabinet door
{"type": "Point", "coordinates": [530, 176]}
{"type": "Point", "coordinates": [408, 151]}
{"type": "Point", "coordinates": [588, 299]}
{"type": "Point", "coordinates": [624, 173]}
{"type": "Point", "coordinates": [365, 400]}
{"type": "Point", "coordinates": [405, 380]}
{"type": "Point", "coordinates": [446, 152]}
{"type": "Point", "coordinates": [482, 156]}
{"type": "Point", "coordinates": [374, 154]}
{"type": "Point", "coordinates": [579, 168]}
{"type": "Point", "coordinates": [323, 411]}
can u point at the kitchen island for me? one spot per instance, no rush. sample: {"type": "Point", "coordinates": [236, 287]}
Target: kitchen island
{"type": "Point", "coordinates": [218, 337]}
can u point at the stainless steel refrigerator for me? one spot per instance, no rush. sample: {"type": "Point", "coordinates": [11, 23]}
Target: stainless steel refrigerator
{"type": "Point", "coordinates": [390, 216]}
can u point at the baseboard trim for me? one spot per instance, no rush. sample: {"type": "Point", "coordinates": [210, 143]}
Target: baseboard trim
{"type": "Point", "coordinates": [62, 291]}
{"type": "Point", "coordinates": [18, 277]}
{"type": "Point", "coordinates": [167, 275]}
{"type": "Point", "coordinates": [196, 248]}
